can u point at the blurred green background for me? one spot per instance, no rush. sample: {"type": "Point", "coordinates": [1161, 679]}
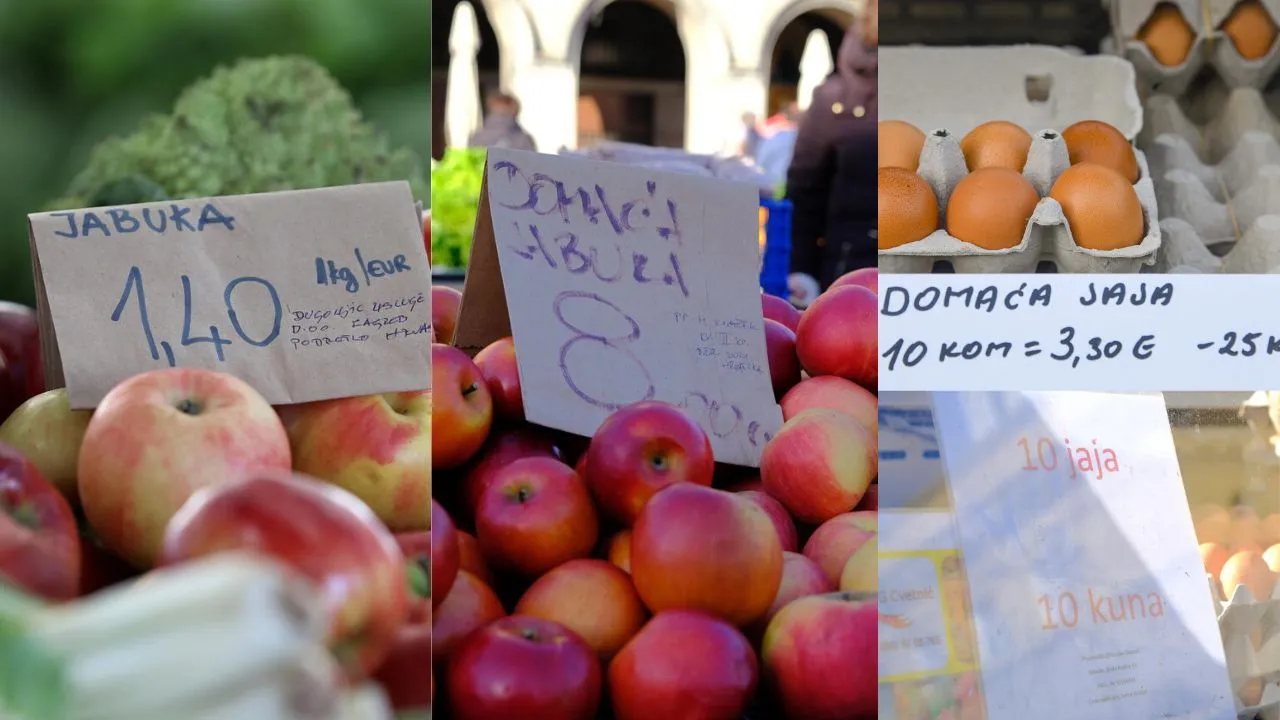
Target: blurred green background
{"type": "Point", "coordinates": [75, 71]}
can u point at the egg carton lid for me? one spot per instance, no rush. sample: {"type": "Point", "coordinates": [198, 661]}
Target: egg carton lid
{"type": "Point", "coordinates": [1035, 86]}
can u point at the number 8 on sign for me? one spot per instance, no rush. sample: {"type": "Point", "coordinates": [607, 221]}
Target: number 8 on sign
{"type": "Point", "coordinates": [618, 344]}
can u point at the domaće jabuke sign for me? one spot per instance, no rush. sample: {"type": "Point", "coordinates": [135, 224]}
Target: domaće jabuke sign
{"type": "Point", "coordinates": [305, 295]}
{"type": "Point", "coordinates": [621, 284]}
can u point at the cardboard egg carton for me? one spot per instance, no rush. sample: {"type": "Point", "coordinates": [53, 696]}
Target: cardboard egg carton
{"type": "Point", "coordinates": [1239, 619]}
{"type": "Point", "coordinates": [1217, 184]}
{"type": "Point", "coordinates": [1036, 87]}
{"type": "Point", "coordinates": [1047, 235]}
{"type": "Point", "coordinates": [1210, 47]}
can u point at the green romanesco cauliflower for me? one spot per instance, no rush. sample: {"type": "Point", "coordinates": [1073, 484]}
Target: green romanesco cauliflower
{"type": "Point", "coordinates": [262, 125]}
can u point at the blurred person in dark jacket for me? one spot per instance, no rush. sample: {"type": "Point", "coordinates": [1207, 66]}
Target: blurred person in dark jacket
{"type": "Point", "coordinates": [831, 181]}
{"type": "Point", "coordinates": [501, 128]}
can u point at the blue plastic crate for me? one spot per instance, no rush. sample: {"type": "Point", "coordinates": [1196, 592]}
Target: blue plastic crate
{"type": "Point", "coordinates": [777, 247]}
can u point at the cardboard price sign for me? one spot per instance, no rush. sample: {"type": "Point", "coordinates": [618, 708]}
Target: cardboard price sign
{"type": "Point", "coordinates": [622, 284]}
{"type": "Point", "coordinates": [306, 295]}
{"type": "Point", "coordinates": [1088, 592]}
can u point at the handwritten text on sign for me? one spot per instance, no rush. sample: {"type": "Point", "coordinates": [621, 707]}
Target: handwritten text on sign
{"type": "Point", "coordinates": [305, 295]}
{"type": "Point", "coordinates": [625, 284]}
{"type": "Point", "coordinates": [1077, 332]}
{"type": "Point", "coordinates": [1081, 556]}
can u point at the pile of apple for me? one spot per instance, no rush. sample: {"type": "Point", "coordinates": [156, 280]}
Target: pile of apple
{"type": "Point", "coordinates": [630, 575]}
{"type": "Point", "coordinates": [178, 464]}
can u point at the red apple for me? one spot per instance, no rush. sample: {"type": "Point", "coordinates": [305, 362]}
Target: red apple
{"type": "Point", "coordinates": [386, 462]}
{"type": "Point", "coordinates": [535, 515]}
{"type": "Point", "coordinates": [684, 664]}
{"type": "Point", "coordinates": [836, 540]}
{"type": "Point", "coordinates": [446, 555]}
{"type": "Point", "coordinates": [471, 559]}
{"type": "Point", "coordinates": [784, 366]}
{"type": "Point", "coordinates": [416, 547]}
{"type": "Point", "coordinates": [158, 437]}
{"type": "Point", "coordinates": [323, 532]}
{"type": "Point", "coordinates": [39, 541]}
{"type": "Point", "coordinates": [497, 364]}
{"type": "Point", "coordinates": [819, 465]}
{"type": "Point", "coordinates": [49, 433]}
{"type": "Point", "coordinates": [837, 336]}
{"type": "Point", "coordinates": [463, 407]}
{"type": "Point", "coordinates": [819, 657]}
{"type": "Point", "coordinates": [445, 304]}
{"type": "Point", "coordinates": [502, 449]}
{"type": "Point", "coordinates": [590, 597]}
{"type": "Point", "coordinates": [778, 515]}
{"type": "Point", "coordinates": [833, 393]}
{"type": "Point", "coordinates": [801, 577]}
{"type": "Point", "coordinates": [619, 550]}
{"type": "Point", "coordinates": [524, 667]}
{"type": "Point", "coordinates": [641, 449]}
{"type": "Point", "coordinates": [699, 548]}
{"type": "Point", "coordinates": [21, 363]}
{"type": "Point", "coordinates": [401, 674]}
{"type": "Point", "coordinates": [868, 278]}
{"type": "Point", "coordinates": [781, 311]}
{"type": "Point", "coordinates": [470, 605]}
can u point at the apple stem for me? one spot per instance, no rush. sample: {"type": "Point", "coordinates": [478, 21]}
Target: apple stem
{"type": "Point", "coordinates": [529, 634]}
{"type": "Point", "coordinates": [470, 389]}
{"type": "Point", "coordinates": [188, 406]}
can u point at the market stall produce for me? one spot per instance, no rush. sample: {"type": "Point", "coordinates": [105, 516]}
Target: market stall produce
{"type": "Point", "coordinates": [631, 575]}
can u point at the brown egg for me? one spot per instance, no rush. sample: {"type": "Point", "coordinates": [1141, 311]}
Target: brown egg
{"type": "Point", "coordinates": [1167, 35]}
{"type": "Point", "coordinates": [991, 207]}
{"type": "Point", "coordinates": [996, 144]}
{"type": "Point", "coordinates": [900, 144]}
{"type": "Point", "coordinates": [1101, 206]}
{"type": "Point", "coordinates": [1249, 569]}
{"type": "Point", "coordinates": [1250, 29]}
{"type": "Point", "coordinates": [908, 209]}
{"type": "Point", "coordinates": [1097, 142]}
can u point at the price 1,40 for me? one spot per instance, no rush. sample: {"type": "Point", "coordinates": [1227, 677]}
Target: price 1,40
{"type": "Point", "coordinates": [134, 288]}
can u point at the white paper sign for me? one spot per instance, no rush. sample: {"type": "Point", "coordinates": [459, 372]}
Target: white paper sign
{"type": "Point", "coordinates": [1089, 596]}
{"type": "Point", "coordinates": [1078, 332]}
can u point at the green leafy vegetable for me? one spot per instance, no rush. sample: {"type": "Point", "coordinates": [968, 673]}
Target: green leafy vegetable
{"type": "Point", "coordinates": [455, 193]}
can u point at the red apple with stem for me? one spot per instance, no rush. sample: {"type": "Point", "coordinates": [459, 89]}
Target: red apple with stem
{"type": "Point", "coordinates": [523, 667]}
{"type": "Point", "coordinates": [445, 304]}
{"type": "Point", "coordinates": [497, 364]}
{"type": "Point", "coordinates": [698, 548]}
{"type": "Point", "coordinates": [39, 541]}
{"type": "Point", "coordinates": [535, 515]}
{"type": "Point", "coordinates": [158, 437]}
{"type": "Point", "coordinates": [641, 449]}
{"type": "Point", "coordinates": [462, 407]}
{"type": "Point", "coordinates": [684, 664]}
{"type": "Point", "coordinates": [837, 336]}
{"type": "Point", "coordinates": [446, 555]}
{"type": "Point", "coordinates": [323, 532]}
{"type": "Point", "coordinates": [500, 450]}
